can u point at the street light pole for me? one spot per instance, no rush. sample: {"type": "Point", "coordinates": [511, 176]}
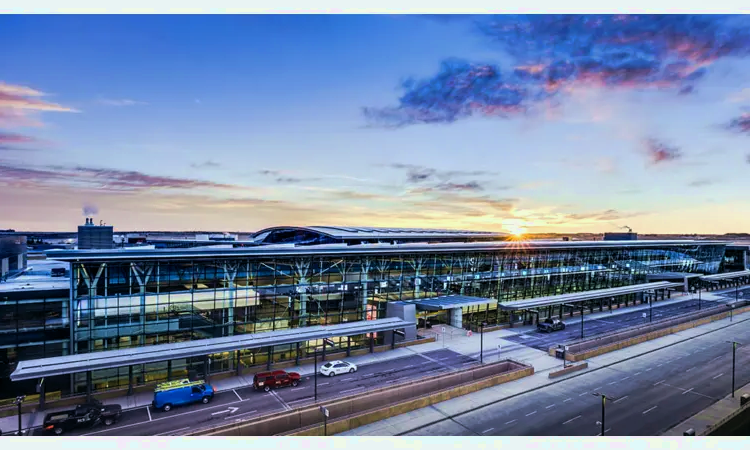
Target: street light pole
{"type": "Point", "coordinates": [19, 402]}
{"type": "Point", "coordinates": [734, 360]}
{"type": "Point", "coordinates": [604, 401]}
{"type": "Point", "coordinates": [581, 320]}
{"type": "Point", "coordinates": [481, 343]}
{"type": "Point", "coordinates": [315, 357]}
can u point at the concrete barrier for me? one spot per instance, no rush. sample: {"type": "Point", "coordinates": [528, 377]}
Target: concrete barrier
{"type": "Point", "coordinates": [363, 408]}
{"type": "Point", "coordinates": [569, 369]}
{"type": "Point", "coordinates": [635, 335]}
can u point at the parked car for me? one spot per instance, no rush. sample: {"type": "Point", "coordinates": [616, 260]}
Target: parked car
{"type": "Point", "coordinates": [549, 325]}
{"type": "Point", "coordinates": [274, 380]}
{"type": "Point", "coordinates": [181, 392]}
{"type": "Point", "coordinates": [334, 368]}
{"type": "Point", "coordinates": [87, 414]}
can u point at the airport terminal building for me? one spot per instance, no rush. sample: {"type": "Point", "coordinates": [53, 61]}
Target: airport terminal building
{"type": "Point", "coordinates": [300, 277]}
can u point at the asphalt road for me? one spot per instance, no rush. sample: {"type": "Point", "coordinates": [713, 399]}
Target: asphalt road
{"type": "Point", "coordinates": [650, 394]}
{"type": "Point", "coordinates": [250, 403]}
{"type": "Point", "coordinates": [594, 327]}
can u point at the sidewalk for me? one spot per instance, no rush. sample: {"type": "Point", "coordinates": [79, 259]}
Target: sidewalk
{"type": "Point", "coordinates": [456, 340]}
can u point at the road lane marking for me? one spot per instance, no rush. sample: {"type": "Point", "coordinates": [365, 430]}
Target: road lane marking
{"type": "Point", "coordinates": [352, 390]}
{"type": "Point", "coordinates": [148, 410]}
{"type": "Point", "coordinates": [648, 370]}
{"type": "Point", "coordinates": [717, 376]}
{"type": "Point", "coordinates": [574, 418]}
{"type": "Point", "coordinates": [649, 410]}
{"type": "Point", "coordinates": [581, 395]}
{"type": "Point", "coordinates": [550, 406]}
{"type": "Point", "coordinates": [623, 379]}
{"type": "Point", "coordinates": [323, 384]}
{"type": "Point", "coordinates": [567, 400]}
{"type": "Point", "coordinates": [283, 403]}
{"type": "Point", "coordinates": [530, 414]}
{"type": "Point", "coordinates": [347, 379]}
{"type": "Point", "coordinates": [599, 388]}
{"type": "Point", "coordinates": [298, 388]}
{"type": "Point", "coordinates": [637, 373]}
{"type": "Point", "coordinates": [660, 365]}
{"type": "Point", "coordinates": [620, 399]}
{"type": "Point", "coordinates": [606, 431]}
{"type": "Point", "coordinates": [659, 382]}
{"type": "Point", "coordinates": [409, 366]}
{"type": "Point", "coordinates": [487, 430]}
{"type": "Point", "coordinates": [510, 421]}
{"type": "Point", "coordinates": [443, 359]}
{"type": "Point", "coordinates": [428, 362]}
{"type": "Point", "coordinates": [610, 384]}
{"type": "Point", "coordinates": [173, 431]}
{"type": "Point", "coordinates": [690, 369]}
{"type": "Point", "coordinates": [687, 391]}
{"type": "Point", "coordinates": [242, 414]}
{"type": "Point", "coordinates": [238, 395]}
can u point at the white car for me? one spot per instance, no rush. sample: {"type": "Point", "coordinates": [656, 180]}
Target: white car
{"type": "Point", "coordinates": [334, 368]}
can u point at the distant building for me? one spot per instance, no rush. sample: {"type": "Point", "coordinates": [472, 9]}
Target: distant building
{"type": "Point", "coordinates": [92, 236]}
{"type": "Point", "coordinates": [13, 255]}
{"type": "Point", "coordinates": [621, 236]}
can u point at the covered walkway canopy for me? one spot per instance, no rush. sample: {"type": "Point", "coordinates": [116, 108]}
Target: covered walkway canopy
{"type": "Point", "coordinates": [553, 300]}
{"type": "Point", "coordinates": [444, 302]}
{"type": "Point", "coordinates": [726, 276]}
{"type": "Point", "coordinates": [86, 362]}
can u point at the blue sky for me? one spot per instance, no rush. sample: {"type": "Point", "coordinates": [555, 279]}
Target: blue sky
{"type": "Point", "coordinates": [241, 122]}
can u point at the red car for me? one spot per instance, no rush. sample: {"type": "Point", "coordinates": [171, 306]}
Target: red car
{"type": "Point", "coordinates": [275, 380]}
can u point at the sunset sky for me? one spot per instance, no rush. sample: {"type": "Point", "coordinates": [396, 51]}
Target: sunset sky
{"type": "Point", "coordinates": [500, 123]}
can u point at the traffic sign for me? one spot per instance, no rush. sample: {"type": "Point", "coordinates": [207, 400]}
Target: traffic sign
{"type": "Point", "coordinates": [443, 329]}
{"type": "Point", "coordinates": [324, 410]}
{"type": "Point", "coordinates": [644, 315]}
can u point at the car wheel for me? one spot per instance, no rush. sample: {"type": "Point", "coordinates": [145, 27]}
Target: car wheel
{"type": "Point", "coordinates": [332, 374]}
{"type": "Point", "coordinates": [351, 370]}
{"type": "Point", "coordinates": [58, 431]}
{"type": "Point", "coordinates": [295, 383]}
{"type": "Point", "coordinates": [205, 400]}
{"type": "Point", "coordinates": [167, 407]}
{"type": "Point", "coordinates": [267, 388]}
{"type": "Point", "coordinates": [108, 421]}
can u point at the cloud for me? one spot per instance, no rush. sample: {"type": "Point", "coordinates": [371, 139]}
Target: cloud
{"type": "Point", "coordinates": [740, 124]}
{"type": "Point", "coordinates": [701, 183]}
{"type": "Point", "coordinates": [557, 54]}
{"type": "Point", "coordinates": [658, 152]}
{"type": "Point", "coordinates": [742, 96]}
{"type": "Point", "coordinates": [417, 174]}
{"type": "Point", "coordinates": [205, 165]}
{"type": "Point", "coordinates": [109, 180]}
{"type": "Point", "coordinates": [90, 210]}
{"type": "Point", "coordinates": [120, 102]}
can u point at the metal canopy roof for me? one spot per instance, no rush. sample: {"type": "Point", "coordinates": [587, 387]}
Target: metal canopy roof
{"type": "Point", "coordinates": [726, 276]}
{"type": "Point", "coordinates": [63, 365]}
{"type": "Point", "coordinates": [364, 250]}
{"type": "Point", "coordinates": [389, 233]}
{"type": "Point", "coordinates": [672, 275]}
{"type": "Point", "coordinates": [583, 296]}
{"type": "Point", "coordinates": [449, 302]}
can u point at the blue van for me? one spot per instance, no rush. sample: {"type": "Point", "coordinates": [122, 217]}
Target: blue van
{"type": "Point", "coordinates": [181, 392]}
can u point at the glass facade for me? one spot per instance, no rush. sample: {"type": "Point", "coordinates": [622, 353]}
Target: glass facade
{"type": "Point", "coordinates": [118, 304]}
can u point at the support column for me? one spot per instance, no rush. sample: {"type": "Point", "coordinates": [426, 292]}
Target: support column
{"type": "Point", "coordinates": [130, 380]}
{"type": "Point", "coordinates": [239, 362]}
{"type": "Point", "coordinates": [324, 350]}
{"type": "Point", "coordinates": [42, 396]}
{"type": "Point", "coordinates": [88, 386]}
{"type": "Point", "coordinates": [457, 317]}
{"type": "Point", "coordinates": [169, 370]}
{"type": "Point", "coordinates": [270, 357]}
{"type": "Point", "coordinates": [296, 358]}
{"type": "Point", "coordinates": [561, 312]}
{"type": "Point", "coordinates": [601, 304]}
{"type": "Point", "coordinates": [206, 369]}
{"type": "Point", "coordinates": [372, 342]}
{"type": "Point", "coordinates": [348, 346]}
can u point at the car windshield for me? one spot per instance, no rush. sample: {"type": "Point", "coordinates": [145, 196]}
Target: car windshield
{"type": "Point", "coordinates": [327, 365]}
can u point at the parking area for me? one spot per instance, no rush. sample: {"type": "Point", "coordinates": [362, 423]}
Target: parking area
{"type": "Point", "coordinates": [246, 402]}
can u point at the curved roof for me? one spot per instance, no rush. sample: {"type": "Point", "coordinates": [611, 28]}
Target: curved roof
{"type": "Point", "coordinates": [346, 233]}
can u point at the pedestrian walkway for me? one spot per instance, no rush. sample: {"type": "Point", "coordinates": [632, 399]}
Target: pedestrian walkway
{"type": "Point", "coordinates": [494, 348]}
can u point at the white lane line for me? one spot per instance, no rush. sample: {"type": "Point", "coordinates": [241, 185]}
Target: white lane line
{"type": "Point", "coordinates": [550, 406]}
{"type": "Point", "coordinates": [487, 430]}
{"type": "Point", "coordinates": [352, 390]}
{"type": "Point", "coordinates": [283, 403]}
{"type": "Point", "coordinates": [649, 410]}
{"type": "Point", "coordinates": [610, 384]}
{"type": "Point", "coordinates": [581, 395]}
{"type": "Point", "coordinates": [530, 414]}
{"type": "Point", "coordinates": [598, 389]}
{"type": "Point", "coordinates": [410, 365]}
{"type": "Point", "coordinates": [510, 421]}
{"type": "Point", "coordinates": [173, 431]}
{"type": "Point", "coordinates": [660, 365]}
{"type": "Point", "coordinates": [690, 369]}
{"type": "Point", "coordinates": [648, 370]}
{"type": "Point", "coordinates": [637, 373]}
{"type": "Point", "coordinates": [623, 379]}
{"type": "Point", "coordinates": [309, 399]}
{"type": "Point", "coordinates": [428, 362]}
{"type": "Point", "coordinates": [443, 359]}
{"type": "Point", "coordinates": [323, 384]}
{"type": "Point", "coordinates": [620, 399]}
{"type": "Point", "coordinates": [659, 382]}
{"type": "Point", "coordinates": [298, 388]}
{"type": "Point", "coordinates": [574, 418]}
{"type": "Point", "coordinates": [347, 379]}
{"type": "Point", "coordinates": [717, 376]}
{"type": "Point", "coordinates": [606, 431]}
{"type": "Point", "coordinates": [148, 410]}
{"type": "Point", "coordinates": [243, 414]}
{"type": "Point", "coordinates": [238, 395]}
{"type": "Point", "coordinates": [567, 400]}
{"type": "Point", "coordinates": [687, 391]}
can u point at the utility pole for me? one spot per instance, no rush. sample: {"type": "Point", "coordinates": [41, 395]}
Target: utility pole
{"type": "Point", "coordinates": [734, 361]}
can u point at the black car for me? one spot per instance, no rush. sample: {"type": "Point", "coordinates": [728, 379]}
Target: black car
{"type": "Point", "coordinates": [550, 325]}
{"type": "Point", "coordinates": [85, 415]}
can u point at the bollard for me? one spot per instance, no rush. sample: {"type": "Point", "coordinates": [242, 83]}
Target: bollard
{"type": "Point", "coordinates": [689, 432]}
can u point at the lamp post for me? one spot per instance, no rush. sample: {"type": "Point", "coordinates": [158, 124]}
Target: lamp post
{"type": "Point", "coordinates": [581, 320]}
{"type": "Point", "coordinates": [604, 401]}
{"type": "Point", "coordinates": [481, 342]}
{"type": "Point", "coordinates": [315, 376]}
{"type": "Point", "coordinates": [734, 360]}
{"type": "Point", "coordinates": [19, 402]}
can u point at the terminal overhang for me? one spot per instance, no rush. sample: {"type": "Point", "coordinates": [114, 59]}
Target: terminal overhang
{"type": "Point", "coordinates": [110, 359]}
{"type": "Point", "coordinates": [726, 276]}
{"type": "Point", "coordinates": [584, 296]}
{"type": "Point", "coordinates": [444, 302]}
